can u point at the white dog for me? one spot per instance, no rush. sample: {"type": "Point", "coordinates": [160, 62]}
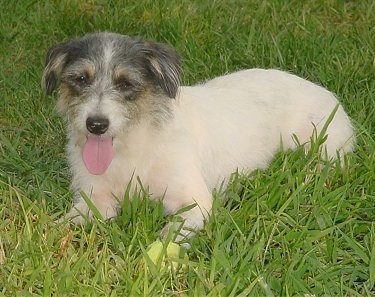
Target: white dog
{"type": "Point", "coordinates": [128, 117]}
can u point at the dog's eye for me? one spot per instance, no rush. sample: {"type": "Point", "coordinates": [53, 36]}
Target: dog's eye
{"type": "Point", "coordinates": [82, 79]}
{"type": "Point", "coordinates": [123, 84]}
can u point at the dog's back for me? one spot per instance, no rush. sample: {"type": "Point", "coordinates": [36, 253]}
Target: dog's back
{"type": "Point", "coordinates": [238, 121]}
{"type": "Point", "coordinates": [304, 103]}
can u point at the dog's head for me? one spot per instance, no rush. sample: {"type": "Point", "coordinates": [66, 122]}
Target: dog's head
{"type": "Point", "coordinates": [109, 82]}
{"type": "Point", "coordinates": [111, 69]}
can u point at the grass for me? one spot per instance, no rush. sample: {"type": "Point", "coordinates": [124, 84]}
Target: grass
{"type": "Point", "coordinates": [299, 228]}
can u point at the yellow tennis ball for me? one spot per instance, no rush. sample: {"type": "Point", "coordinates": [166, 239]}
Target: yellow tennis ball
{"type": "Point", "coordinates": [158, 253]}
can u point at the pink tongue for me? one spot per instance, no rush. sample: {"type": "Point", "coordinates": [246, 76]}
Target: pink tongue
{"type": "Point", "coordinates": [97, 154]}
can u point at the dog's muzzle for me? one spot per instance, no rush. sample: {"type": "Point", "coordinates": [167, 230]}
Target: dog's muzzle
{"type": "Point", "coordinates": [97, 151]}
{"type": "Point", "coordinates": [97, 125]}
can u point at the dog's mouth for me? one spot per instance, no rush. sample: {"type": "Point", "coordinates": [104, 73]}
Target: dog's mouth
{"type": "Point", "coordinates": [97, 153]}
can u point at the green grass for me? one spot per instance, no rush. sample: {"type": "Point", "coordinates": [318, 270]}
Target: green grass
{"type": "Point", "coordinates": [299, 228]}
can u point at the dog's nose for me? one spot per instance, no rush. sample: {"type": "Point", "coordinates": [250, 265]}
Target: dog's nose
{"type": "Point", "coordinates": [97, 125]}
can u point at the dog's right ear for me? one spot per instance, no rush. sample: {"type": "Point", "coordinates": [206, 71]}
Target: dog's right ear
{"type": "Point", "coordinates": [54, 64]}
{"type": "Point", "coordinates": [58, 57]}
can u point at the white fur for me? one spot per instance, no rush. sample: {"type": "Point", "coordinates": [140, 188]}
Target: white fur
{"type": "Point", "coordinates": [233, 122]}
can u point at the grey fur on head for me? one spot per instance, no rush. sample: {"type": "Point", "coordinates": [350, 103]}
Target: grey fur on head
{"type": "Point", "coordinates": [157, 63]}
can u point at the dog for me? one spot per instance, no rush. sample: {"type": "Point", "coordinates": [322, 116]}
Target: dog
{"type": "Point", "coordinates": [129, 119]}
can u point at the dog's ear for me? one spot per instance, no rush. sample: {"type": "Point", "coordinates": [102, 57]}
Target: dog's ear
{"type": "Point", "coordinates": [57, 58]}
{"type": "Point", "coordinates": [55, 61]}
{"type": "Point", "coordinates": [164, 64]}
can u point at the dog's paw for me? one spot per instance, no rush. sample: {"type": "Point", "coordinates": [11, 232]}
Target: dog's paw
{"type": "Point", "coordinates": [78, 215]}
{"type": "Point", "coordinates": [70, 219]}
{"type": "Point", "coordinates": [178, 232]}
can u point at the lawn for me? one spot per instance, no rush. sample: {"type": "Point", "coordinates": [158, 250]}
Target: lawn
{"type": "Point", "coordinates": [303, 227]}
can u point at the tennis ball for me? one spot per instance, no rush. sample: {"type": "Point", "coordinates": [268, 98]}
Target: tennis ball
{"type": "Point", "coordinates": [159, 253]}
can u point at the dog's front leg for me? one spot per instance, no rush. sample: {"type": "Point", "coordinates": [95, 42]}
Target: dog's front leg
{"type": "Point", "coordinates": [185, 225]}
{"type": "Point", "coordinates": [192, 205]}
{"type": "Point", "coordinates": [82, 212]}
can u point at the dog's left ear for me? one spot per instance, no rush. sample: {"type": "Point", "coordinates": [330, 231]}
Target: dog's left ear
{"type": "Point", "coordinates": [164, 63]}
